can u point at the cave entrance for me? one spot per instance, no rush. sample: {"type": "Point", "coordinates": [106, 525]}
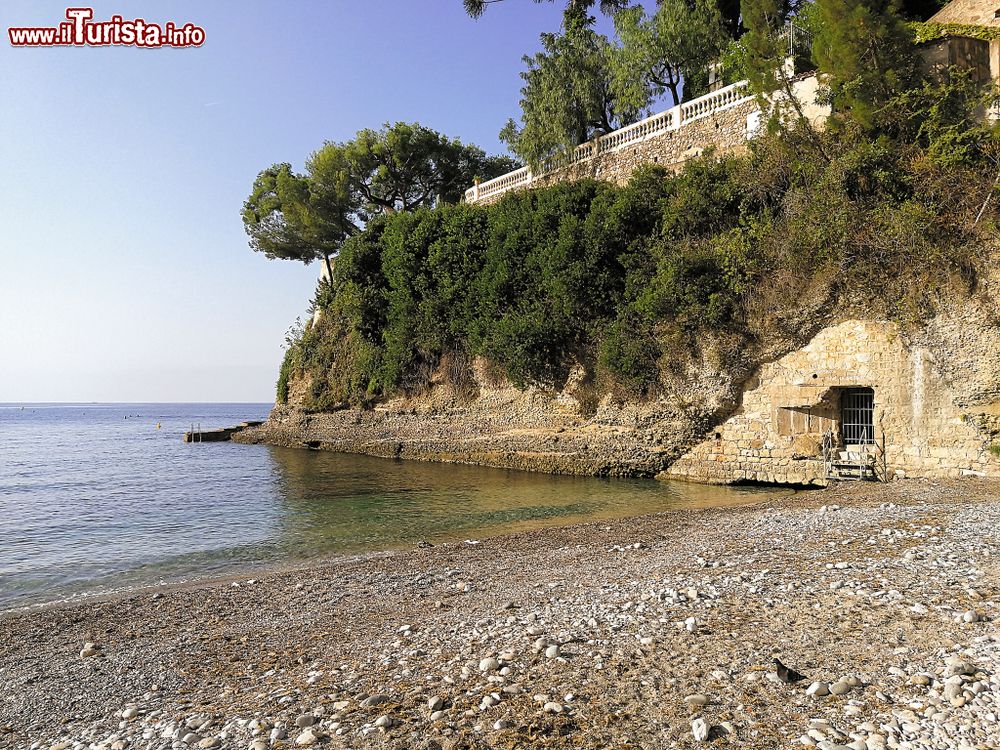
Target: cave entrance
{"type": "Point", "coordinates": [857, 416]}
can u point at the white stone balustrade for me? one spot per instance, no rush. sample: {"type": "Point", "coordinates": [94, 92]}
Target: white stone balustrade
{"type": "Point", "coordinates": [672, 119]}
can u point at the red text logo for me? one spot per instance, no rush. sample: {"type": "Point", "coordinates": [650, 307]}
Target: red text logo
{"type": "Point", "coordinates": [80, 30]}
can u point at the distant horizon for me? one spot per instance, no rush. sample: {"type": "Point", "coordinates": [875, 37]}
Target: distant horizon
{"type": "Point", "coordinates": [127, 276]}
{"type": "Point", "coordinates": [71, 403]}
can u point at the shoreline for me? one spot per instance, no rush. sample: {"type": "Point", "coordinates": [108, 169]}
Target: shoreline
{"type": "Point", "coordinates": [596, 618]}
{"type": "Point", "coordinates": [194, 581]}
{"type": "Point", "coordinates": [305, 565]}
{"type": "Point", "coordinates": [531, 433]}
{"type": "Point", "coordinates": [83, 596]}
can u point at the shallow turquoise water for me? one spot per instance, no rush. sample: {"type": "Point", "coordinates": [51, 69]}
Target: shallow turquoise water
{"type": "Point", "coordinates": [93, 501]}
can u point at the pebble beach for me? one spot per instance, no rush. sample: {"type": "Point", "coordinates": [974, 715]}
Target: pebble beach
{"type": "Point", "coordinates": [651, 632]}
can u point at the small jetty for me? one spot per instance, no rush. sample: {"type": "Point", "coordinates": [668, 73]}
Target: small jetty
{"type": "Point", "coordinates": [220, 435]}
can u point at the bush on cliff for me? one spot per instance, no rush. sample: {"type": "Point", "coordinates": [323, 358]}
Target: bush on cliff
{"type": "Point", "coordinates": [632, 281]}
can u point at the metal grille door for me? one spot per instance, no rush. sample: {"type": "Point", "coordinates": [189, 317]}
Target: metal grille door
{"type": "Point", "coordinates": [857, 411]}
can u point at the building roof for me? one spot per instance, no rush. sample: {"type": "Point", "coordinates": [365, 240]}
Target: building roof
{"type": "Point", "coordinates": [971, 12]}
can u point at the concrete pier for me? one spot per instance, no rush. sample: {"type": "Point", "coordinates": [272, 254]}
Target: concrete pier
{"type": "Point", "coordinates": [219, 435]}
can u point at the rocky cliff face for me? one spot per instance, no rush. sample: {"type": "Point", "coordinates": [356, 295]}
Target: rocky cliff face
{"type": "Point", "coordinates": [579, 430]}
{"type": "Point", "coordinates": [502, 426]}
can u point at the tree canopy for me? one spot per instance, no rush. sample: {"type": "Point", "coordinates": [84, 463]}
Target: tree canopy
{"type": "Point", "coordinates": [866, 52]}
{"type": "Point", "coordinates": [476, 8]}
{"type": "Point", "coordinates": [401, 167]}
{"type": "Point", "coordinates": [582, 84]}
{"type": "Point", "coordinates": [671, 50]}
{"type": "Point", "coordinates": [289, 217]}
{"type": "Point", "coordinates": [762, 47]}
{"type": "Point", "coordinates": [728, 9]}
{"type": "Point", "coordinates": [568, 96]}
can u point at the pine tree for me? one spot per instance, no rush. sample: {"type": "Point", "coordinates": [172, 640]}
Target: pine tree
{"type": "Point", "coordinates": [568, 96]}
{"type": "Point", "coordinates": [667, 51]}
{"type": "Point", "coordinates": [865, 51]}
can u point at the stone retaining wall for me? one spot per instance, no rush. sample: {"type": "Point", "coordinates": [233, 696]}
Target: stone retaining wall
{"type": "Point", "coordinates": [775, 436]}
{"type": "Point", "coordinates": [725, 131]}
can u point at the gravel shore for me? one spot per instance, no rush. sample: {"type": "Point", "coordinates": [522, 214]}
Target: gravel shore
{"type": "Point", "coordinates": [652, 632]}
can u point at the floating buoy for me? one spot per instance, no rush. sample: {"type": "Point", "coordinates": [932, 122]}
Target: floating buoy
{"type": "Point", "coordinates": [158, 425]}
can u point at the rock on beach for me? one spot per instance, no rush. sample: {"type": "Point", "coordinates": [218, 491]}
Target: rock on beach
{"type": "Point", "coordinates": [588, 636]}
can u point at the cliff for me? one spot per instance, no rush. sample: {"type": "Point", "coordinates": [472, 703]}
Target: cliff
{"type": "Point", "coordinates": [719, 423]}
{"type": "Point", "coordinates": [782, 315]}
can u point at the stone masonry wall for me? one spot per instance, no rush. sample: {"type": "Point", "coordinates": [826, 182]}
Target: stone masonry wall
{"type": "Point", "coordinates": [725, 131]}
{"type": "Point", "coordinates": [776, 434]}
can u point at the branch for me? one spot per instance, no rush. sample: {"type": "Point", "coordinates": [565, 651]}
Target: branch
{"type": "Point", "coordinates": [987, 201]}
{"type": "Point", "coordinates": [786, 85]}
{"type": "Point", "coordinates": [373, 200]}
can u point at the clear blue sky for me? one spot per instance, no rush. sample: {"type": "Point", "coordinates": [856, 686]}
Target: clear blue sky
{"type": "Point", "coordinates": [124, 270]}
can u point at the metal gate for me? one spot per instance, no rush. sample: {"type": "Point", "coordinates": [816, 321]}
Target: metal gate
{"type": "Point", "coordinates": [857, 412]}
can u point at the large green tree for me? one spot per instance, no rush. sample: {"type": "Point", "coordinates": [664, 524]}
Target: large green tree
{"type": "Point", "coordinates": [287, 216]}
{"type": "Point", "coordinates": [568, 95]}
{"type": "Point", "coordinates": [762, 46]}
{"type": "Point", "coordinates": [670, 50]}
{"type": "Point", "coordinates": [866, 51]}
{"type": "Point", "coordinates": [401, 167]}
{"type": "Point", "coordinates": [778, 34]}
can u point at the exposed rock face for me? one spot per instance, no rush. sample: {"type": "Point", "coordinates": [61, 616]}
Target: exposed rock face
{"type": "Point", "coordinates": [935, 395]}
{"type": "Point", "coordinates": [917, 425]}
{"type": "Point", "coordinates": [502, 426]}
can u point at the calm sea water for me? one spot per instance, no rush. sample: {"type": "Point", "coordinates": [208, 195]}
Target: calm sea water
{"type": "Point", "coordinates": [96, 498]}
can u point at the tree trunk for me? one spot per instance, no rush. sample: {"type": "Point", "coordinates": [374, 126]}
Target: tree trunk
{"type": "Point", "coordinates": [329, 269]}
{"type": "Point", "coordinates": [672, 85]}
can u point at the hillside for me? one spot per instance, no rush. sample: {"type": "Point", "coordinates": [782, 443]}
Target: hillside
{"type": "Point", "coordinates": [590, 328]}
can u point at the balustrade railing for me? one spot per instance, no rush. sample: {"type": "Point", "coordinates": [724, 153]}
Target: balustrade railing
{"type": "Point", "coordinates": [672, 119]}
{"type": "Point", "coordinates": [714, 102]}
{"type": "Point", "coordinates": [502, 184]}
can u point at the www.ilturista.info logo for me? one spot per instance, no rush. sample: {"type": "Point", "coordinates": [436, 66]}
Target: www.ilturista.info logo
{"type": "Point", "coordinates": [80, 30]}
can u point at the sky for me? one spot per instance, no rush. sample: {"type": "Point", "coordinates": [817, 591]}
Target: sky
{"type": "Point", "coordinates": [125, 274]}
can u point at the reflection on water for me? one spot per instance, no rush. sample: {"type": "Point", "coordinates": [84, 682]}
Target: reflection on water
{"type": "Point", "coordinates": [92, 500]}
{"type": "Point", "coordinates": [336, 502]}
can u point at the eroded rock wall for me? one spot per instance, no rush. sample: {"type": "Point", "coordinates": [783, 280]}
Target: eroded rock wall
{"type": "Point", "coordinates": [918, 418]}
{"type": "Point", "coordinates": [502, 426]}
{"type": "Point", "coordinates": [723, 418]}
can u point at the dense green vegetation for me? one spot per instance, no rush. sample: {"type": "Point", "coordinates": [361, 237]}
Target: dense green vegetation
{"type": "Point", "coordinates": [584, 84]}
{"type": "Point", "coordinates": [884, 212]}
{"type": "Point", "coordinates": [399, 167]}
{"type": "Point", "coordinates": [631, 280]}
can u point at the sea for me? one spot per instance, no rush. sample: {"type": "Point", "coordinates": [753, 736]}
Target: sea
{"type": "Point", "coordinates": [102, 498]}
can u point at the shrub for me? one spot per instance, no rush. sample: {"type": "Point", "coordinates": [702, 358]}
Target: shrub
{"type": "Point", "coordinates": [628, 355]}
{"type": "Point", "coordinates": [288, 365]}
{"type": "Point", "coordinates": [629, 280]}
